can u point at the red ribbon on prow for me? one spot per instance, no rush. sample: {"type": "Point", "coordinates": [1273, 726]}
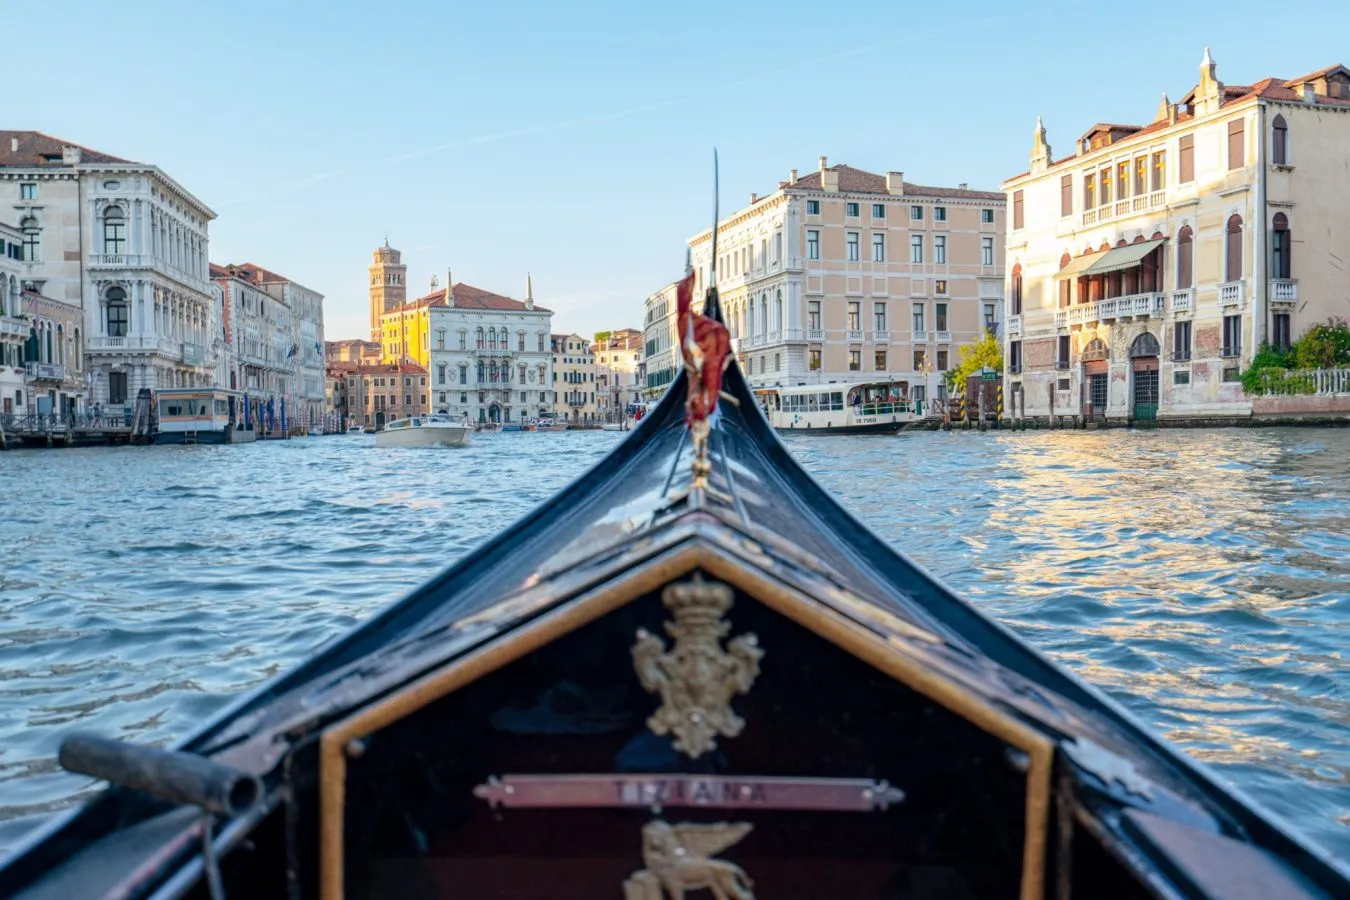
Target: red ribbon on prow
{"type": "Point", "coordinates": [704, 343]}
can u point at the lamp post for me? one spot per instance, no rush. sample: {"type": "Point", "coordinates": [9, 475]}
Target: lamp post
{"type": "Point", "coordinates": [926, 369]}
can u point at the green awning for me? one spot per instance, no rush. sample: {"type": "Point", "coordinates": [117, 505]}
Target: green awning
{"type": "Point", "coordinates": [1123, 257]}
{"type": "Point", "coordinates": [1078, 265]}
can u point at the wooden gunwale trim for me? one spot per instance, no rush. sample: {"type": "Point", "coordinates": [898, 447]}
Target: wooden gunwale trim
{"type": "Point", "coordinates": [828, 622]}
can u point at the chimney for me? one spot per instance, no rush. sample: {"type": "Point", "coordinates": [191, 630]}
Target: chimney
{"type": "Point", "coordinates": [1171, 114]}
{"type": "Point", "coordinates": [449, 289]}
{"type": "Point", "coordinates": [824, 163]}
{"type": "Point", "coordinates": [1309, 93]}
{"type": "Point", "coordinates": [70, 156]}
{"type": "Point", "coordinates": [754, 198]}
{"type": "Point", "coordinates": [792, 177]}
{"type": "Point", "coordinates": [895, 183]}
{"type": "Point", "coordinates": [965, 186]}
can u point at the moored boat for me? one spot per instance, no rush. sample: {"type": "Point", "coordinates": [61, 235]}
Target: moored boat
{"type": "Point", "coordinates": [424, 431]}
{"type": "Point", "coordinates": [201, 416]}
{"type": "Point", "coordinates": [550, 423]}
{"type": "Point", "coordinates": [690, 670]}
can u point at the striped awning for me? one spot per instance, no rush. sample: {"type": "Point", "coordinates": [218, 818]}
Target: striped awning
{"type": "Point", "coordinates": [1123, 257]}
{"type": "Point", "coordinates": [1079, 265]}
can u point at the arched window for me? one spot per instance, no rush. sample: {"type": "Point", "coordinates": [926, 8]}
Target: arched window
{"type": "Point", "coordinates": [1279, 142]}
{"type": "Point", "coordinates": [114, 231]}
{"type": "Point", "coordinates": [1232, 270]}
{"type": "Point", "coordinates": [1065, 284]}
{"type": "Point", "coordinates": [1185, 258]}
{"type": "Point", "coordinates": [32, 239]}
{"type": "Point", "coordinates": [764, 312]}
{"type": "Point", "coordinates": [1093, 350]}
{"type": "Point", "coordinates": [60, 359]}
{"type": "Point", "coordinates": [778, 308]}
{"type": "Point", "coordinates": [479, 336]}
{"type": "Point", "coordinates": [504, 340]}
{"type": "Point", "coordinates": [480, 368]}
{"type": "Point", "coordinates": [1280, 247]}
{"type": "Point", "coordinates": [31, 347]}
{"type": "Point", "coordinates": [1144, 345]}
{"type": "Point", "coordinates": [79, 351]}
{"type": "Point", "coordinates": [116, 312]}
{"type": "Point", "coordinates": [1017, 289]}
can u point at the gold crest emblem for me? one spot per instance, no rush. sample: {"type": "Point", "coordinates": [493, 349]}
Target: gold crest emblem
{"type": "Point", "coordinates": [697, 678]}
{"type": "Point", "coordinates": [679, 859]}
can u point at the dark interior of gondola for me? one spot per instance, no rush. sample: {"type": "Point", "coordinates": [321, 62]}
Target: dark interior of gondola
{"type": "Point", "coordinates": [415, 831]}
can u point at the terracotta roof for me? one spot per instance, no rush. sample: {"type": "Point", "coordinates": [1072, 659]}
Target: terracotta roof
{"type": "Point", "coordinates": [251, 272]}
{"type": "Point", "coordinates": [859, 181]}
{"type": "Point", "coordinates": [1320, 73]}
{"type": "Point", "coordinates": [469, 297]}
{"type": "Point", "coordinates": [408, 368]}
{"type": "Point", "coordinates": [28, 149]}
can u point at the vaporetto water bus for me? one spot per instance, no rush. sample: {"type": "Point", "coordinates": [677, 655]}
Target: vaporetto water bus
{"type": "Point", "coordinates": [871, 407]}
{"type": "Point", "coordinates": [201, 416]}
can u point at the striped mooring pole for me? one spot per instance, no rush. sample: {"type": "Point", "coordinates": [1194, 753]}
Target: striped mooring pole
{"type": "Point", "coordinates": [999, 416]}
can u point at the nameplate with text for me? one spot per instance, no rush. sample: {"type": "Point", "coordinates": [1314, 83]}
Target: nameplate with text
{"type": "Point", "coordinates": [710, 791]}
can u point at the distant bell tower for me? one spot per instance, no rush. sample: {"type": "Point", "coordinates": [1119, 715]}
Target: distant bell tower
{"type": "Point", "coordinates": [388, 286]}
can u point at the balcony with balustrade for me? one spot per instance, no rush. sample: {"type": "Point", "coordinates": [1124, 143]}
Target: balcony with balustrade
{"type": "Point", "coordinates": [815, 335]}
{"type": "Point", "coordinates": [1232, 294]}
{"type": "Point", "coordinates": [36, 371]}
{"type": "Point", "coordinates": [13, 327]}
{"type": "Point", "coordinates": [1129, 206]}
{"type": "Point", "coordinates": [1015, 324]}
{"type": "Point", "coordinates": [1132, 306]}
{"type": "Point", "coordinates": [1283, 294]}
{"type": "Point", "coordinates": [944, 337]}
{"type": "Point", "coordinates": [105, 262]}
{"type": "Point", "coordinates": [881, 337]}
{"type": "Point", "coordinates": [1183, 302]}
{"type": "Point", "coordinates": [853, 335]}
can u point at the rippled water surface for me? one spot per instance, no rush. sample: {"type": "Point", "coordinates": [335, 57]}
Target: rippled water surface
{"type": "Point", "coordinates": [1199, 576]}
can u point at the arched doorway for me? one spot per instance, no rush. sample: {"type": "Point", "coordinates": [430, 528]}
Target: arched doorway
{"type": "Point", "coordinates": [494, 412]}
{"type": "Point", "coordinates": [1144, 366]}
{"type": "Point", "coordinates": [379, 420]}
{"type": "Point", "coordinates": [1096, 378]}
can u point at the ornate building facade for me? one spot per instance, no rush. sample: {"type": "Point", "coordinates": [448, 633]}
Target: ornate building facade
{"type": "Point", "coordinates": [574, 380]}
{"type": "Point", "coordinates": [125, 243]}
{"type": "Point", "coordinates": [847, 275]}
{"type": "Point", "coordinates": [618, 368]}
{"type": "Point", "coordinates": [14, 323]}
{"type": "Point", "coordinates": [661, 346]}
{"type": "Point", "coordinates": [1149, 265]}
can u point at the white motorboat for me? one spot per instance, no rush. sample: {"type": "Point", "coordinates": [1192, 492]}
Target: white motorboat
{"type": "Point", "coordinates": [356, 429]}
{"type": "Point", "coordinates": [424, 431]}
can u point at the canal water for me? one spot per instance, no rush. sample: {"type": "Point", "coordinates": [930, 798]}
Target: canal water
{"type": "Point", "coordinates": [1201, 577]}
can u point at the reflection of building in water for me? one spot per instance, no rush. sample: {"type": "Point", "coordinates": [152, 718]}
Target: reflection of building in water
{"type": "Point", "coordinates": [1148, 265]}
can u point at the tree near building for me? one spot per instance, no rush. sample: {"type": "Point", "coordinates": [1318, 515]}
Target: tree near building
{"type": "Point", "coordinates": [987, 352]}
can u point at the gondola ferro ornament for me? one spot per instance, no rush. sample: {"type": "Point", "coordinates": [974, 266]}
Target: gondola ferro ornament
{"type": "Point", "coordinates": [697, 677]}
{"type": "Point", "coordinates": [678, 859]}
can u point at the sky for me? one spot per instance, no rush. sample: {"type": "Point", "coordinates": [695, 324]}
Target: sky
{"type": "Point", "coordinates": [573, 141]}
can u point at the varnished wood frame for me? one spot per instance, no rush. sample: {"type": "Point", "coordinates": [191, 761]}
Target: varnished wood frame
{"type": "Point", "coordinates": [891, 658]}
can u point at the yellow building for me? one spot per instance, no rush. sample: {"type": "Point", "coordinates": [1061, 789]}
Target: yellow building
{"type": "Point", "coordinates": [574, 380]}
{"type": "Point", "coordinates": [1148, 266]}
{"type": "Point", "coordinates": [388, 286]}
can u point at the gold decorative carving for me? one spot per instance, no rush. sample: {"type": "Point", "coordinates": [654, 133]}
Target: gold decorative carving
{"type": "Point", "coordinates": [678, 860]}
{"type": "Point", "coordinates": [697, 678]}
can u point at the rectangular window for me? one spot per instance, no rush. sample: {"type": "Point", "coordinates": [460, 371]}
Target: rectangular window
{"type": "Point", "coordinates": [986, 251]}
{"type": "Point", "coordinates": [916, 213]}
{"type": "Point", "coordinates": [1232, 336]}
{"type": "Point", "coordinates": [941, 316]}
{"type": "Point", "coordinates": [1017, 209]}
{"type": "Point", "coordinates": [1186, 165]}
{"type": "Point", "coordinates": [30, 192]}
{"type": "Point", "coordinates": [1236, 136]}
{"type": "Point", "coordinates": [879, 360]}
{"type": "Point", "coordinates": [1279, 253]}
{"type": "Point", "coordinates": [879, 316]}
{"type": "Point", "coordinates": [920, 358]}
{"type": "Point", "coordinates": [1279, 331]}
{"type": "Point", "coordinates": [1065, 292]}
{"type": "Point", "coordinates": [463, 340]}
{"type": "Point", "coordinates": [1062, 352]}
{"type": "Point", "coordinates": [1159, 170]}
{"type": "Point", "coordinates": [854, 316]}
{"type": "Point", "coordinates": [939, 214]}
{"type": "Point", "coordinates": [940, 286]}
{"type": "Point", "coordinates": [851, 246]}
{"type": "Point", "coordinates": [1181, 376]}
{"type": "Point", "coordinates": [987, 216]}
{"type": "Point", "coordinates": [878, 247]}
{"type": "Point", "coordinates": [440, 340]}
{"type": "Point", "coordinates": [918, 318]}
{"type": "Point", "coordinates": [942, 360]}
{"type": "Point", "coordinates": [878, 210]}
{"type": "Point", "coordinates": [916, 248]}
{"type": "Point", "coordinates": [1122, 180]}
{"type": "Point", "coordinates": [1066, 195]}
{"type": "Point", "coordinates": [1181, 340]}
{"type": "Point", "coordinates": [854, 360]}
{"type": "Point", "coordinates": [117, 386]}
{"type": "Point", "coordinates": [114, 235]}
{"type": "Point", "coordinates": [813, 244]}
{"type": "Point", "coordinates": [1140, 175]}
{"type": "Point", "coordinates": [813, 362]}
{"type": "Point", "coordinates": [851, 210]}
{"type": "Point", "coordinates": [777, 246]}
{"type": "Point", "coordinates": [1014, 356]}
{"type": "Point", "coordinates": [1104, 183]}
{"type": "Point", "coordinates": [989, 313]}
{"type": "Point", "coordinates": [940, 249]}
{"type": "Point", "coordinates": [463, 374]}
{"type": "Point", "coordinates": [813, 207]}
{"type": "Point", "coordinates": [1090, 191]}
{"type": "Point", "coordinates": [440, 374]}
{"type": "Point", "coordinates": [813, 315]}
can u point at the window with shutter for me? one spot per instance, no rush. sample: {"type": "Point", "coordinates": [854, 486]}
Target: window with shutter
{"type": "Point", "coordinates": [1233, 257]}
{"type": "Point", "coordinates": [1186, 165]}
{"type": "Point", "coordinates": [1066, 195]}
{"type": "Point", "coordinates": [1235, 141]}
{"type": "Point", "coordinates": [1184, 248]}
{"type": "Point", "coordinates": [1017, 209]}
{"type": "Point", "coordinates": [1279, 142]}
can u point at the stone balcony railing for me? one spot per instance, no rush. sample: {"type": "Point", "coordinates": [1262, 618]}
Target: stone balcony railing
{"type": "Point", "coordinates": [815, 334]}
{"type": "Point", "coordinates": [13, 327]}
{"type": "Point", "coordinates": [853, 335]}
{"type": "Point", "coordinates": [944, 337]}
{"type": "Point", "coordinates": [1183, 301]}
{"type": "Point", "coordinates": [1231, 294]}
{"type": "Point", "coordinates": [881, 337]}
{"type": "Point", "coordinates": [1126, 207]}
{"type": "Point", "coordinates": [103, 261]}
{"type": "Point", "coordinates": [44, 371]}
{"type": "Point", "coordinates": [1015, 323]}
{"type": "Point", "coordinates": [1137, 306]}
{"type": "Point", "coordinates": [1283, 293]}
